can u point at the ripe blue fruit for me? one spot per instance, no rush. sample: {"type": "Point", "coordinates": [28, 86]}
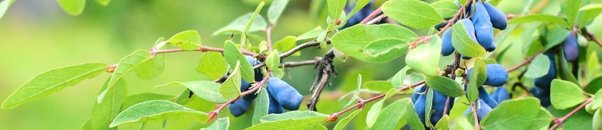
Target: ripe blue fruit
{"type": "Point", "coordinates": [439, 106]}
{"type": "Point", "coordinates": [274, 107]}
{"type": "Point", "coordinates": [419, 107]}
{"type": "Point", "coordinates": [359, 16]}
{"type": "Point", "coordinates": [244, 86]}
{"type": "Point", "coordinates": [470, 28]}
{"type": "Point", "coordinates": [484, 96]}
{"type": "Point", "coordinates": [496, 75]}
{"type": "Point", "coordinates": [253, 61]}
{"type": "Point", "coordinates": [483, 27]}
{"type": "Point", "coordinates": [287, 96]}
{"type": "Point", "coordinates": [446, 46]}
{"type": "Point", "coordinates": [417, 92]}
{"type": "Point", "coordinates": [498, 18]}
{"type": "Point", "coordinates": [542, 94]}
{"type": "Point", "coordinates": [240, 106]}
{"type": "Point", "coordinates": [544, 81]}
{"type": "Point", "coordinates": [482, 110]}
{"type": "Point", "coordinates": [500, 94]}
{"type": "Point", "coordinates": [571, 47]}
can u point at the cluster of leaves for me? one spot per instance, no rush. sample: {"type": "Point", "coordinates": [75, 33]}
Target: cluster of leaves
{"type": "Point", "coordinates": [416, 39]}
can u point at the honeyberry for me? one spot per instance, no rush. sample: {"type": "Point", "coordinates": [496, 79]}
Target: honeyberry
{"type": "Point", "coordinates": [419, 106]}
{"type": "Point", "coordinates": [498, 18]}
{"type": "Point", "coordinates": [542, 94]}
{"type": "Point", "coordinates": [274, 107]}
{"type": "Point", "coordinates": [571, 47]}
{"type": "Point", "coordinates": [417, 92]}
{"type": "Point", "coordinates": [359, 16]}
{"type": "Point", "coordinates": [483, 27]}
{"type": "Point", "coordinates": [544, 81]}
{"type": "Point", "coordinates": [496, 75]}
{"type": "Point", "coordinates": [484, 96]}
{"type": "Point", "coordinates": [447, 47]}
{"type": "Point", "coordinates": [240, 106]}
{"type": "Point", "coordinates": [500, 94]}
{"type": "Point", "coordinates": [483, 109]}
{"type": "Point", "coordinates": [287, 96]}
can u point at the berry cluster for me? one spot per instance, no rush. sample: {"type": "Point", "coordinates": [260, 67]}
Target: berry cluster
{"type": "Point", "coordinates": [479, 27]}
{"type": "Point", "coordinates": [281, 94]}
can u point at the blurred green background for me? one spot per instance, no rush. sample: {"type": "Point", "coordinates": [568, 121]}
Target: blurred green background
{"type": "Point", "coordinates": [36, 36]}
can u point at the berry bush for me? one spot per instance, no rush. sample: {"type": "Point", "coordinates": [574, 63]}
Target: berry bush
{"type": "Point", "coordinates": [458, 70]}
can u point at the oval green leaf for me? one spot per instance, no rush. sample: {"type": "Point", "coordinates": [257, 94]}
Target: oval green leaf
{"type": "Point", "coordinates": [155, 110]}
{"type": "Point", "coordinates": [354, 40]}
{"type": "Point", "coordinates": [565, 94]}
{"type": "Point", "coordinates": [444, 85]}
{"type": "Point", "coordinates": [414, 13]}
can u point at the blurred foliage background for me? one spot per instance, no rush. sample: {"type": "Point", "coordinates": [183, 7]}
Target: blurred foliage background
{"type": "Point", "coordinates": [36, 36]}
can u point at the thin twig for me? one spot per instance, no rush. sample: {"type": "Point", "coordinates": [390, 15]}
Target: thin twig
{"type": "Point", "coordinates": [561, 120]}
{"type": "Point", "coordinates": [539, 6]}
{"type": "Point", "coordinates": [525, 62]}
{"type": "Point", "coordinates": [590, 36]}
{"type": "Point", "coordinates": [268, 33]}
{"type": "Point", "coordinates": [475, 116]}
{"type": "Point", "coordinates": [254, 88]}
{"type": "Point", "coordinates": [372, 15]}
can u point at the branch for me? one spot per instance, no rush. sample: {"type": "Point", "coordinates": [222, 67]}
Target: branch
{"type": "Point", "coordinates": [325, 69]}
{"type": "Point", "coordinates": [201, 49]}
{"type": "Point", "coordinates": [254, 88]}
{"type": "Point", "coordinates": [539, 6]}
{"type": "Point", "coordinates": [561, 120]}
{"type": "Point", "coordinates": [526, 62]}
{"type": "Point", "coordinates": [475, 116]}
{"type": "Point", "coordinates": [360, 104]}
{"type": "Point", "coordinates": [372, 15]}
{"type": "Point", "coordinates": [590, 36]}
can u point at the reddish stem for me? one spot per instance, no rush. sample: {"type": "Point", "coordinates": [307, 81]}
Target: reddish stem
{"type": "Point", "coordinates": [559, 121]}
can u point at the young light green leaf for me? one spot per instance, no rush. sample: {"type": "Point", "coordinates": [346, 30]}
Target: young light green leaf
{"type": "Point", "coordinates": [546, 18]}
{"type": "Point", "coordinates": [311, 34]}
{"type": "Point", "coordinates": [565, 94]}
{"type": "Point", "coordinates": [538, 67]}
{"type": "Point", "coordinates": [382, 47]}
{"type": "Point", "coordinates": [289, 120]}
{"type": "Point", "coordinates": [378, 86]}
{"type": "Point", "coordinates": [341, 124]}
{"type": "Point", "coordinates": [151, 67]}
{"type": "Point", "coordinates": [285, 44]}
{"type": "Point", "coordinates": [212, 65]}
{"type": "Point", "coordinates": [397, 79]}
{"type": "Point", "coordinates": [103, 113]}
{"type": "Point", "coordinates": [432, 49]}
{"type": "Point", "coordinates": [230, 89]}
{"type": "Point", "coordinates": [596, 102]}
{"type": "Point", "coordinates": [103, 2]}
{"type": "Point", "coordinates": [589, 13]}
{"type": "Point", "coordinates": [273, 61]}
{"type": "Point", "coordinates": [477, 79]}
{"type": "Point", "coordinates": [51, 82]}
{"type": "Point", "coordinates": [354, 40]}
{"type": "Point", "coordinates": [393, 113]}
{"type": "Point", "coordinates": [219, 124]}
{"type": "Point", "coordinates": [443, 123]}
{"type": "Point", "coordinates": [207, 90]}
{"type": "Point", "coordinates": [4, 6]}
{"type": "Point", "coordinates": [597, 120]}
{"type": "Point", "coordinates": [155, 110]}
{"type": "Point", "coordinates": [570, 10]}
{"type": "Point", "coordinates": [125, 65]}
{"type": "Point", "coordinates": [446, 8]}
{"type": "Point", "coordinates": [261, 106]}
{"type": "Point", "coordinates": [239, 24]}
{"type": "Point", "coordinates": [72, 7]}
{"type": "Point", "coordinates": [463, 43]}
{"type": "Point", "coordinates": [335, 8]}
{"type": "Point", "coordinates": [512, 114]}
{"type": "Point", "coordinates": [276, 9]}
{"type": "Point", "coordinates": [444, 85]}
{"type": "Point", "coordinates": [541, 121]}
{"type": "Point", "coordinates": [233, 55]}
{"type": "Point", "coordinates": [138, 98]}
{"type": "Point", "coordinates": [186, 40]}
{"type": "Point", "coordinates": [413, 13]}
{"type": "Point", "coordinates": [373, 113]}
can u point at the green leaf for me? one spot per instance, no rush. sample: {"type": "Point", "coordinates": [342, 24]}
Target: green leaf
{"type": "Point", "coordinates": [103, 2]}
{"type": "Point", "coordinates": [138, 98]}
{"type": "Point", "coordinates": [581, 120]}
{"type": "Point", "coordinates": [412, 118]}
{"type": "Point", "coordinates": [596, 102]}
{"type": "Point", "coordinates": [243, 37]}
{"type": "Point", "coordinates": [397, 79]}
{"type": "Point", "coordinates": [570, 10]}
{"type": "Point", "coordinates": [589, 13]}
{"type": "Point", "coordinates": [565, 94]}
{"type": "Point", "coordinates": [155, 110]}
{"type": "Point", "coordinates": [4, 6]}
{"type": "Point", "coordinates": [276, 9]}
{"type": "Point", "coordinates": [373, 113]}
{"type": "Point", "coordinates": [289, 120]}
{"type": "Point", "coordinates": [546, 18]}
{"type": "Point", "coordinates": [72, 7]}
{"type": "Point", "coordinates": [477, 79]}
{"type": "Point", "coordinates": [273, 61]}
{"type": "Point", "coordinates": [219, 124]}
{"type": "Point", "coordinates": [415, 58]}
{"type": "Point", "coordinates": [230, 89]}
{"type": "Point", "coordinates": [239, 24]}
{"type": "Point", "coordinates": [103, 113]}
{"type": "Point", "coordinates": [150, 67]}
{"type": "Point", "coordinates": [341, 124]}
{"type": "Point", "coordinates": [233, 55]}
{"type": "Point", "coordinates": [186, 40]}
{"type": "Point", "coordinates": [262, 105]}
{"type": "Point", "coordinates": [207, 90]}
{"type": "Point", "coordinates": [512, 114]}
{"type": "Point", "coordinates": [541, 121]}
{"type": "Point", "coordinates": [382, 47]}
{"type": "Point", "coordinates": [378, 86]}
{"type": "Point", "coordinates": [285, 44]}
{"type": "Point", "coordinates": [597, 120]}
{"type": "Point", "coordinates": [443, 123]}
{"type": "Point", "coordinates": [444, 85]}
{"type": "Point", "coordinates": [446, 8]}
{"type": "Point", "coordinates": [354, 41]}
{"type": "Point", "coordinates": [554, 36]}
{"type": "Point", "coordinates": [463, 43]}
{"type": "Point", "coordinates": [538, 67]}
{"type": "Point", "coordinates": [393, 113]}
{"type": "Point", "coordinates": [595, 85]}
{"type": "Point", "coordinates": [414, 13]}
{"type": "Point", "coordinates": [213, 65]}
{"type": "Point", "coordinates": [125, 65]}
{"type": "Point", "coordinates": [311, 34]}
{"type": "Point", "coordinates": [51, 82]}
{"type": "Point", "coordinates": [335, 8]}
